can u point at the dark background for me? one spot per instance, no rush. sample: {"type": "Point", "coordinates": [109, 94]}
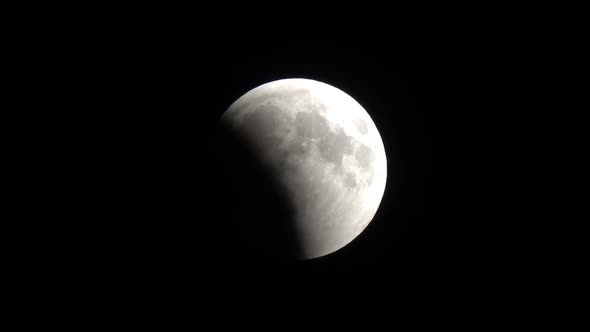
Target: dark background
{"type": "Point", "coordinates": [446, 85]}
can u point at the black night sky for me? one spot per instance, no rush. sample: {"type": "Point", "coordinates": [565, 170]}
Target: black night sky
{"type": "Point", "coordinates": [442, 84]}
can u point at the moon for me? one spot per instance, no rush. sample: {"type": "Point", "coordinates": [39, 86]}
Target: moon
{"type": "Point", "coordinates": [323, 153]}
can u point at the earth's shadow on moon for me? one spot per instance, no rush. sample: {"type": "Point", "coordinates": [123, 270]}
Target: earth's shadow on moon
{"type": "Point", "coordinates": [257, 220]}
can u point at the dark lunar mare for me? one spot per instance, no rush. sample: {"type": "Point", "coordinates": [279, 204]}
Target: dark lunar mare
{"type": "Point", "coordinates": [258, 219]}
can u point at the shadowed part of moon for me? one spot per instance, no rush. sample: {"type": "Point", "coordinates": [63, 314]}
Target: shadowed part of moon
{"type": "Point", "coordinates": [263, 127]}
{"type": "Point", "coordinates": [260, 211]}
